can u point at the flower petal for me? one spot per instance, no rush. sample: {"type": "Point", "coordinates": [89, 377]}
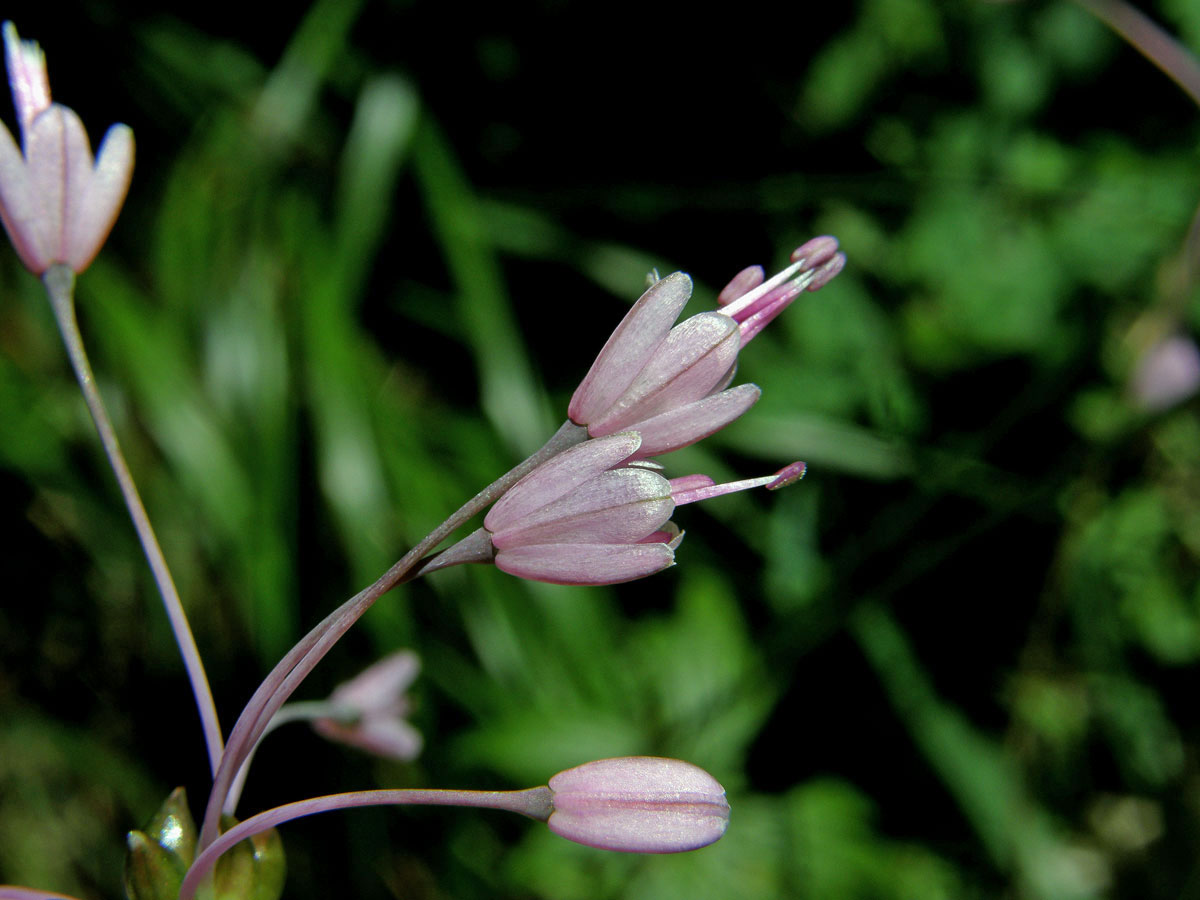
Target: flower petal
{"type": "Point", "coordinates": [26, 75]}
{"type": "Point", "coordinates": [95, 206]}
{"type": "Point", "coordinates": [18, 208]}
{"type": "Point", "coordinates": [630, 347]}
{"type": "Point", "coordinates": [616, 507]}
{"type": "Point", "coordinates": [585, 563]}
{"type": "Point", "coordinates": [558, 477]}
{"type": "Point", "coordinates": [695, 356]}
{"type": "Point", "coordinates": [691, 422]}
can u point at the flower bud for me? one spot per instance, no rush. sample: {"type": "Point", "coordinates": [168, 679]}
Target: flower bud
{"type": "Point", "coordinates": [253, 869]}
{"type": "Point", "coordinates": [638, 804]}
{"type": "Point", "coordinates": [158, 857]}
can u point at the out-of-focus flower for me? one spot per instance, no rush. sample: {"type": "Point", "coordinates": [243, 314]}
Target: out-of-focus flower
{"type": "Point", "coordinates": [638, 804]}
{"type": "Point", "coordinates": [372, 709]}
{"type": "Point", "coordinates": [57, 203]}
{"type": "Point", "coordinates": [1167, 373]}
{"type": "Point", "coordinates": [671, 384]}
{"type": "Point", "coordinates": [595, 514]}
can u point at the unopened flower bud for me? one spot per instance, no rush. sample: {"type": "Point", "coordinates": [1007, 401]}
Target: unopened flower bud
{"type": "Point", "coordinates": [158, 857]}
{"type": "Point", "coordinates": [638, 804]}
{"type": "Point", "coordinates": [253, 869]}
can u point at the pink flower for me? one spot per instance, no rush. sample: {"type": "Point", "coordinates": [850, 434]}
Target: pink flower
{"type": "Point", "coordinates": [374, 707]}
{"type": "Point", "coordinates": [56, 202]}
{"type": "Point", "coordinates": [582, 518]}
{"type": "Point", "coordinates": [671, 384]}
{"type": "Point", "coordinates": [594, 514]}
{"type": "Point", "coordinates": [638, 804]}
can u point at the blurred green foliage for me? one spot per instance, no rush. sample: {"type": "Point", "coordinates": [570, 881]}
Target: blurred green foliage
{"type": "Point", "coordinates": [369, 251]}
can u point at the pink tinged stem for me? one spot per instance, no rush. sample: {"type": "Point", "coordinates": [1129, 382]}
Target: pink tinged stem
{"type": "Point", "coordinates": [290, 671]}
{"type": "Point", "coordinates": [60, 283]}
{"type": "Point", "coordinates": [534, 803]}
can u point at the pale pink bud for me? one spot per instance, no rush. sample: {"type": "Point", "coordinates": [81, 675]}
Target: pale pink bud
{"type": "Point", "coordinates": [57, 202]}
{"type": "Point", "coordinates": [638, 804]}
{"type": "Point", "coordinates": [372, 708]}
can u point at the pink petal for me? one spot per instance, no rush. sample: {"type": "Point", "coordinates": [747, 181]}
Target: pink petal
{"type": "Point", "coordinates": [18, 210]}
{"type": "Point", "coordinates": [585, 563]}
{"type": "Point", "coordinates": [695, 356]}
{"type": "Point", "coordinates": [691, 422]}
{"type": "Point", "coordinates": [94, 208]}
{"type": "Point", "coordinates": [50, 144]}
{"type": "Point", "coordinates": [744, 281]}
{"type": "Point", "coordinates": [614, 507]}
{"type": "Point", "coordinates": [630, 347]}
{"type": "Point", "coordinates": [392, 738]}
{"type": "Point", "coordinates": [558, 477]}
{"type": "Point", "coordinates": [380, 686]}
{"type": "Point", "coordinates": [26, 75]}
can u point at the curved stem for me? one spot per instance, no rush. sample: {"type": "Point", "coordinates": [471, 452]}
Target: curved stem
{"type": "Point", "coordinates": [60, 284]}
{"type": "Point", "coordinates": [534, 802]}
{"type": "Point", "coordinates": [288, 713]}
{"type": "Point", "coordinates": [1151, 40]}
{"type": "Point", "coordinates": [301, 659]}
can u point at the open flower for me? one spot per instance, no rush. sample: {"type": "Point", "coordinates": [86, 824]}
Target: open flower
{"type": "Point", "coordinates": [583, 518]}
{"type": "Point", "coordinates": [638, 804]}
{"type": "Point", "coordinates": [57, 202]}
{"type": "Point", "coordinates": [372, 706]}
{"type": "Point", "coordinates": [595, 514]}
{"type": "Point", "coordinates": [671, 384]}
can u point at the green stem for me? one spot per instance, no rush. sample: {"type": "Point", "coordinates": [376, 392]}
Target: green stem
{"type": "Point", "coordinates": [60, 284]}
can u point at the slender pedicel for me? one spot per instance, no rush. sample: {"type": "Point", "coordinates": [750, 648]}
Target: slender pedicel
{"type": "Point", "coordinates": [60, 284]}
{"type": "Point", "coordinates": [300, 660]}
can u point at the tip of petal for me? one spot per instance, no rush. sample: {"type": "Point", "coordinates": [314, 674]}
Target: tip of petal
{"type": "Point", "coordinates": [827, 272]}
{"type": "Point", "coordinates": [817, 251]}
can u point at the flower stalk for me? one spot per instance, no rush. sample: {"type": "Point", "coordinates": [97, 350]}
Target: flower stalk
{"type": "Point", "coordinates": [60, 285]}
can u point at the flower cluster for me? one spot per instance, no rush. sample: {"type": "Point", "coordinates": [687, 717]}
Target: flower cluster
{"type": "Point", "coordinates": [598, 513]}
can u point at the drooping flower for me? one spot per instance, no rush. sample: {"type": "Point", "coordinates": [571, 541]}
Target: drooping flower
{"type": "Point", "coordinates": [671, 384]}
{"type": "Point", "coordinates": [583, 518]}
{"type": "Point", "coordinates": [638, 804]}
{"type": "Point", "coordinates": [57, 203]}
{"type": "Point", "coordinates": [373, 707]}
{"type": "Point", "coordinates": [593, 514]}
